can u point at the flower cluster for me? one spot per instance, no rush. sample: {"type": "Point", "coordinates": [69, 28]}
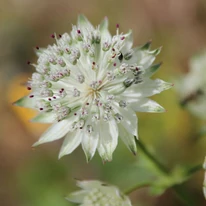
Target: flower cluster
{"type": "Point", "coordinates": [192, 87]}
{"type": "Point", "coordinates": [97, 193]}
{"type": "Point", "coordinates": [89, 85]}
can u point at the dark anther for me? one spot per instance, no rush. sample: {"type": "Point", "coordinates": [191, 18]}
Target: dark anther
{"type": "Point", "coordinates": [120, 57]}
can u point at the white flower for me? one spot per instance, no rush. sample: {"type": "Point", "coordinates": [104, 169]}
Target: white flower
{"type": "Point", "coordinates": [89, 84]}
{"type": "Point", "coordinates": [192, 87]}
{"type": "Point", "coordinates": [96, 193]}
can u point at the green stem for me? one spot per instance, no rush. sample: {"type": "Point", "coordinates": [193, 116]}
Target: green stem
{"type": "Point", "coordinates": [151, 157]}
{"type": "Point", "coordinates": [194, 169]}
{"type": "Point", "coordinates": [139, 186]}
{"type": "Point", "coordinates": [162, 169]}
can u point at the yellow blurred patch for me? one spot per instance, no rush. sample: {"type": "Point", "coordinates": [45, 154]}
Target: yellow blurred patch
{"type": "Point", "coordinates": [17, 89]}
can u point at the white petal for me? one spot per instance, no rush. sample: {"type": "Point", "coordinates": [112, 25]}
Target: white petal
{"type": "Point", "coordinates": [108, 139]}
{"type": "Point", "coordinates": [128, 139]}
{"type": "Point", "coordinates": [55, 132]}
{"type": "Point", "coordinates": [148, 88]}
{"type": "Point", "coordinates": [71, 142]}
{"type": "Point", "coordinates": [77, 197]}
{"type": "Point", "coordinates": [146, 105]}
{"type": "Point", "coordinates": [89, 143]}
{"type": "Point", "coordinates": [44, 117]}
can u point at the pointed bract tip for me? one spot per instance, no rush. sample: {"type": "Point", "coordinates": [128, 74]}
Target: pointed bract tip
{"type": "Point", "coordinates": [82, 18]}
{"type": "Point", "coordinates": [36, 144]}
{"type": "Point", "coordinates": [19, 102]}
{"type": "Point", "coordinates": [88, 157]}
{"type": "Point", "coordinates": [60, 156]}
{"type": "Point", "coordinates": [134, 153]}
{"type": "Point", "coordinates": [147, 45]}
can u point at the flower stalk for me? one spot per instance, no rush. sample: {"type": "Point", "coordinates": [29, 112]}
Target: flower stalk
{"type": "Point", "coordinates": [162, 170]}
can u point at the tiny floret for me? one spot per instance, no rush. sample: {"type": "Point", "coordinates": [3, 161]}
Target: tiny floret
{"type": "Point", "coordinates": [90, 85]}
{"type": "Point", "coordinates": [94, 193]}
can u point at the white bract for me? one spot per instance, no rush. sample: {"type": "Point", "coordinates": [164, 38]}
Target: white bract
{"type": "Point", "coordinates": [192, 86]}
{"type": "Point", "coordinates": [96, 193]}
{"type": "Point", "coordinates": [89, 84]}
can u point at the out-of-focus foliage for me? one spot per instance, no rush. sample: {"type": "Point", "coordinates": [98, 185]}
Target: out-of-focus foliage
{"type": "Point", "coordinates": [36, 177]}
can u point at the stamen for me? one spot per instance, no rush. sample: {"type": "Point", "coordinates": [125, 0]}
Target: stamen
{"type": "Point", "coordinates": [118, 117]}
{"type": "Point", "coordinates": [117, 26]}
{"type": "Point", "coordinates": [89, 129]}
{"type": "Point", "coordinates": [122, 103]}
{"type": "Point", "coordinates": [76, 92]}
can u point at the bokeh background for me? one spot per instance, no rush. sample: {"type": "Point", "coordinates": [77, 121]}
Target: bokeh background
{"type": "Point", "coordinates": [35, 177]}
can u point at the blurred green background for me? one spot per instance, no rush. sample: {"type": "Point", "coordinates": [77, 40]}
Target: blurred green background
{"type": "Point", "coordinates": [36, 177]}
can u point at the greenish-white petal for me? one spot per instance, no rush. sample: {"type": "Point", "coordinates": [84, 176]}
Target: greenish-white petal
{"type": "Point", "coordinates": [89, 184]}
{"type": "Point", "coordinates": [103, 28]}
{"type": "Point", "coordinates": [128, 42]}
{"type": "Point", "coordinates": [55, 132]}
{"type": "Point", "coordinates": [127, 138]}
{"type": "Point", "coordinates": [83, 22]}
{"type": "Point", "coordinates": [108, 139]}
{"type": "Point", "coordinates": [152, 69]}
{"type": "Point", "coordinates": [144, 57]}
{"type": "Point", "coordinates": [89, 143]}
{"type": "Point", "coordinates": [39, 51]}
{"type": "Point", "coordinates": [71, 142]}
{"type": "Point", "coordinates": [146, 105]}
{"type": "Point", "coordinates": [146, 89]}
{"type": "Point", "coordinates": [44, 117]}
{"type": "Point", "coordinates": [77, 197]}
{"type": "Point", "coordinates": [129, 121]}
{"type": "Point", "coordinates": [26, 101]}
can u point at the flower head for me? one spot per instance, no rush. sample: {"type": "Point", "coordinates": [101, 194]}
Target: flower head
{"type": "Point", "coordinates": [89, 84]}
{"type": "Point", "coordinates": [192, 87]}
{"type": "Point", "coordinates": [97, 193]}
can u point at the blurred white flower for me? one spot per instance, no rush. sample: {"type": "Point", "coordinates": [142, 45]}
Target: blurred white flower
{"type": "Point", "coordinates": [89, 84]}
{"type": "Point", "coordinates": [96, 193]}
{"type": "Point", "coordinates": [192, 86]}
